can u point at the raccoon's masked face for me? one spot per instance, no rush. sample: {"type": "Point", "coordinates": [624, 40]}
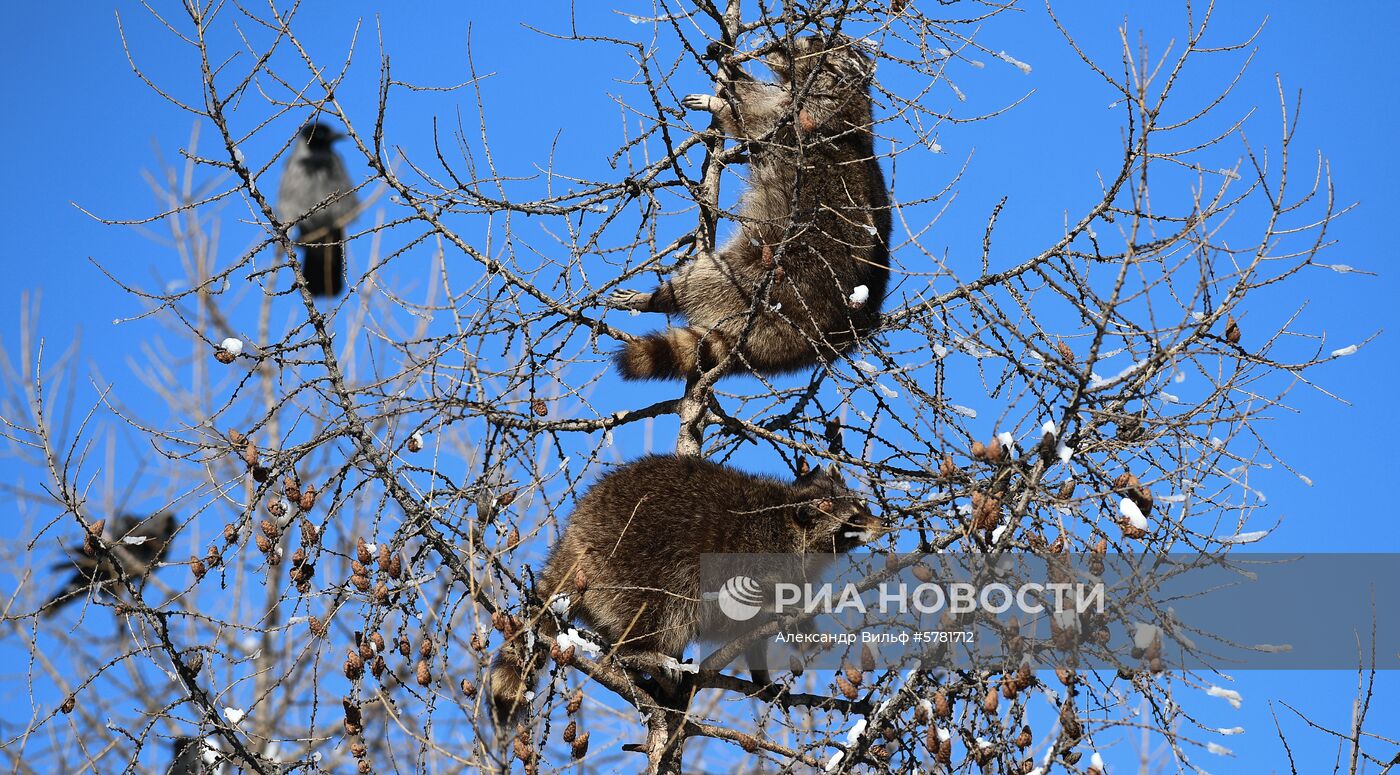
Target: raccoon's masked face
{"type": "Point", "coordinates": [835, 517]}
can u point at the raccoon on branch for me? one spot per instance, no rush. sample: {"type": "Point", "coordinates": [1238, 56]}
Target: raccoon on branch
{"type": "Point", "coordinates": [814, 227]}
{"type": "Point", "coordinates": [635, 540]}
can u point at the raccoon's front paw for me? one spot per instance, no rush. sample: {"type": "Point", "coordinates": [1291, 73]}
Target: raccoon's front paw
{"type": "Point", "coordinates": [706, 102]}
{"type": "Point", "coordinates": [625, 299]}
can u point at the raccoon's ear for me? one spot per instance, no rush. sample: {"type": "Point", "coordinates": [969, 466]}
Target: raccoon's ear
{"type": "Point", "coordinates": [830, 471]}
{"type": "Point", "coordinates": [803, 468]}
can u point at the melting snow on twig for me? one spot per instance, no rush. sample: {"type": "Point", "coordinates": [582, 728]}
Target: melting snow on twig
{"type": "Point", "coordinates": [1014, 62]}
{"type": "Point", "coordinates": [1132, 513]}
{"type": "Point", "coordinates": [1229, 695]}
{"type": "Point", "coordinates": [1342, 353]}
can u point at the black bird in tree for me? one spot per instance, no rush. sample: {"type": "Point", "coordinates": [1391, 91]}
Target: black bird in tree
{"type": "Point", "coordinates": [316, 195]}
{"type": "Point", "coordinates": [136, 547]}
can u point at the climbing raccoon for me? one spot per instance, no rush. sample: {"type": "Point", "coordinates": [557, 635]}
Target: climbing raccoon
{"type": "Point", "coordinates": [635, 540]}
{"type": "Point", "coordinates": [816, 215]}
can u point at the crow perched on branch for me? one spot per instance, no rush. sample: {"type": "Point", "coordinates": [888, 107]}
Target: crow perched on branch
{"type": "Point", "coordinates": [317, 195]}
{"type": "Point", "coordinates": [134, 550]}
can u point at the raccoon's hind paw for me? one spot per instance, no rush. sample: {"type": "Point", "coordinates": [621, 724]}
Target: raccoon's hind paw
{"type": "Point", "coordinates": [705, 102]}
{"type": "Point", "coordinates": [625, 299]}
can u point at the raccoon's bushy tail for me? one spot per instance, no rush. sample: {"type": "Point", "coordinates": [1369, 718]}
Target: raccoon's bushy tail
{"type": "Point", "coordinates": [512, 674]}
{"type": "Point", "coordinates": [676, 353]}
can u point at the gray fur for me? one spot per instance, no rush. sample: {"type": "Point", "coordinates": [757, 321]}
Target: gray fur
{"type": "Point", "coordinates": [815, 217]}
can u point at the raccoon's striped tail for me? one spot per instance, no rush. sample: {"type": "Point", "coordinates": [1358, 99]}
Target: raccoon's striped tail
{"type": "Point", "coordinates": [512, 678]}
{"type": "Point", "coordinates": [676, 353]}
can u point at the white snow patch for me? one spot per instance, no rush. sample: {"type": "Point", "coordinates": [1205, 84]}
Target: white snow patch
{"type": "Point", "coordinates": [867, 366]}
{"type": "Point", "coordinates": [560, 605]}
{"type": "Point", "coordinates": [1006, 439]}
{"type": "Point", "coordinates": [1229, 695]}
{"type": "Point", "coordinates": [1231, 730]}
{"type": "Point", "coordinates": [234, 715]}
{"type": "Point", "coordinates": [965, 411]}
{"type": "Point", "coordinates": [1132, 513]}
{"type": "Point", "coordinates": [853, 734]}
{"type": "Point", "coordinates": [1014, 62]}
{"type": "Point", "coordinates": [1219, 750]}
{"type": "Point", "coordinates": [859, 295]}
{"type": "Point", "coordinates": [834, 761]}
{"type": "Point", "coordinates": [235, 346]}
{"type": "Point", "coordinates": [1345, 351]}
{"type": "Point", "coordinates": [1244, 538]}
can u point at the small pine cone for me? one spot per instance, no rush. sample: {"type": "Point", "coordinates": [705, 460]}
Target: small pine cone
{"type": "Point", "coordinates": [995, 451]}
{"type": "Point", "coordinates": [261, 474]}
{"type": "Point", "coordinates": [383, 557]}
{"type": "Point", "coordinates": [1066, 490]}
{"type": "Point", "coordinates": [566, 657]}
{"type": "Point", "coordinates": [1066, 676]}
{"type": "Point", "coordinates": [69, 702]}
{"type": "Point", "coordinates": [539, 407]}
{"type": "Point", "coordinates": [230, 533]}
{"type": "Point", "coordinates": [1072, 757]}
{"type": "Point", "coordinates": [378, 666]}
{"type": "Point", "coordinates": [290, 491]}
{"type": "Point", "coordinates": [424, 674]}
{"type": "Point", "coordinates": [1232, 330]}
{"type": "Point", "coordinates": [945, 752]}
{"type": "Point", "coordinates": [979, 451]}
{"type": "Point", "coordinates": [366, 650]}
{"type": "Point", "coordinates": [395, 567]}
{"type": "Point", "coordinates": [364, 767]}
{"type": "Point", "coordinates": [1025, 679]}
{"type": "Point", "coordinates": [848, 690]}
{"type": "Point", "coordinates": [358, 750]}
{"type": "Point", "coordinates": [522, 750]}
{"type": "Point", "coordinates": [1024, 739]}
{"type": "Point", "coordinates": [946, 469]}
{"type": "Point", "coordinates": [415, 443]}
{"type": "Point", "coordinates": [880, 752]}
{"type": "Point", "coordinates": [580, 580]}
{"type": "Point", "coordinates": [197, 568]}
{"type": "Point", "coordinates": [1064, 351]}
{"type": "Point", "coordinates": [307, 499]}
{"type": "Point", "coordinates": [941, 708]}
{"type": "Point", "coordinates": [404, 647]}
{"type": "Point", "coordinates": [235, 436]}
{"type": "Point", "coordinates": [989, 703]}
{"type": "Point", "coordinates": [427, 648]}
{"type": "Point", "coordinates": [277, 508]}
{"type": "Point", "coordinates": [1008, 687]}
{"type": "Point", "coordinates": [249, 452]}
{"type": "Point", "coordinates": [309, 532]}
{"type": "Point", "coordinates": [362, 552]}
{"type": "Point", "coordinates": [506, 498]}
{"type": "Point", "coordinates": [852, 674]}
{"type": "Point", "coordinates": [923, 572]}
{"type": "Point", "coordinates": [469, 689]}
{"type": "Point", "coordinates": [381, 593]}
{"type": "Point", "coordinates": [223, 356]}
{"type": "Point", "coordinates": [580, 746]}
{"type": "Point", "coordinates": [361, 582]}
{"type": "Point", "coordinates": [867, 659]}
{"type": "Point", "coordinates": [570, 732]}
{"type": "Point", "coordinates": [477, 642]}
{"type": "Point", "coordinates": [270, 529]}
{"type": "Point", "coordinates": [263, 542]}
{"type": "Point", "coordinates": [920, 714]}
{"type": "Point", "coordinates": [354, 665]}
{"type": "Point", "coordinates": [377, 641]}
{"type": "Point", "coordinates": [358, 568]}
{"type": "Point", "coordinates": [512, 539]}
{"type": "Point", "coordinates": [354, 721]}
{"type": "Point", "coordinates": [299, 556]}
{"type": "Point", "coordinates": [575, 702]}
{"type": "Point", "coordinates": [90, 545]}
{"type": "Point", "coordinates": [318, 627]}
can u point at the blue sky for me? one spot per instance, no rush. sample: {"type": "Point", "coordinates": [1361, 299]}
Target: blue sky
{"type": "Point", "coordinates": [83, 129]}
